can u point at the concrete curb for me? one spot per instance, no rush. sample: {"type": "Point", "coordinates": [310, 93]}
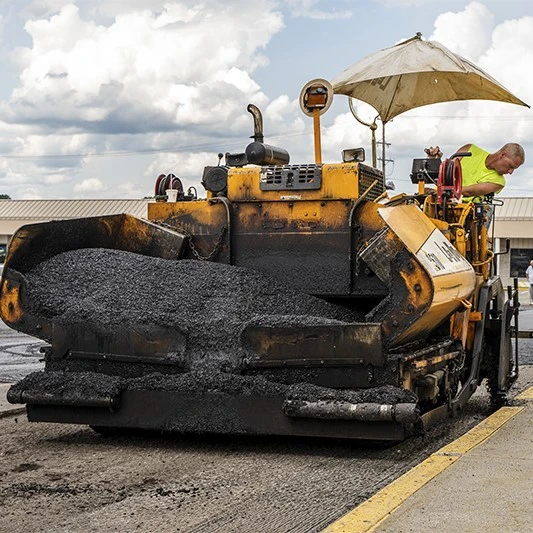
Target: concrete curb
{"type": "Point", "coordinates": [370, 514]}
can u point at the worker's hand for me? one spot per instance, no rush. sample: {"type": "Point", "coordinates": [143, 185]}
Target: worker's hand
{"type": "Point", "coordinates": [433, 153]}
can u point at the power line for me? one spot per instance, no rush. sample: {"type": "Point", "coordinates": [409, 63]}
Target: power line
{"type": "Point", "coordinates": [215, 147]}
{"type": "Point", "coordinates": [117, 153]}
{"type": "Point", "coordinates": [176, 149]}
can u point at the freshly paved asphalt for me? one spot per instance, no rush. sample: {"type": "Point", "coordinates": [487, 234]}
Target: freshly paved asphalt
{"type": "Point", "coordinates": [483, 485]}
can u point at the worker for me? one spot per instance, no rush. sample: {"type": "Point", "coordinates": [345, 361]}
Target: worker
{"type": "Point", "coordinates": [483, 172]}
{"type": "Point", "coordinates": [529, 277]}
{"type": "Point", "coordinates": [433, 152]}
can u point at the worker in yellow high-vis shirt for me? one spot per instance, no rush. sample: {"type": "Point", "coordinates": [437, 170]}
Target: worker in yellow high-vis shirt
{"type": "Point", "coordinates": [483, 172]}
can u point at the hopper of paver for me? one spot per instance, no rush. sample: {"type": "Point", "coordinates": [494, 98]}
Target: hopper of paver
{"type": "Point", "coordinates": [142, 334]}
{"type": "Point", "coordinates": [34, 245]}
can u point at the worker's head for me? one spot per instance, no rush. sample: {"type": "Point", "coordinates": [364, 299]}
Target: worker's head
{"type": "Point", "coordinates": [508, 158]}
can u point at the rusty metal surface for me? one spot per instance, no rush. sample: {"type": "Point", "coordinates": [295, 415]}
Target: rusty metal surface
{"type": "Point", "coordinates": [36, 243]}
{"type": "Point", "coordinates": [331, 345]}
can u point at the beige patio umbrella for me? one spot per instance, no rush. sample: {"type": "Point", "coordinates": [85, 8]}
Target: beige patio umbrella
{"type": "Point", "coordinates": [412, 74]}
{"type": "Point", "coordinates": [415, 73]}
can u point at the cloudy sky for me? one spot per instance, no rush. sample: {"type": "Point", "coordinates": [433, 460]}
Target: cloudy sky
{"type": "Point", "coordinates": [98, 97]}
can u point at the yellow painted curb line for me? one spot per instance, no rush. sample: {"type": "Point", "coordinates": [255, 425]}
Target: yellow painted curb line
{"type": "Point", "coordinates": [372, 511]}
{"type": "Point", "coordinates": [481, 432]}
{"type": "Point", "coordinates": [369, 514]}
{"type": "Point", "coordinates": [526, 395]}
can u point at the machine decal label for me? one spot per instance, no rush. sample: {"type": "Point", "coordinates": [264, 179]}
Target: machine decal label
{"type": "Point", "coordinates": [291, 197]}
{"type": "Point", "coordinates": [440, 257]}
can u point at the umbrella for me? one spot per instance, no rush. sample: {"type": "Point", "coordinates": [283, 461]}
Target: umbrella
{"type": "Point", "coordinates": [415, 73]}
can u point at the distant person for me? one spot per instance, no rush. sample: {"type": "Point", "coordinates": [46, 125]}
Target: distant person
{"type": "Point", "coordinates": [483, 172]}
{"type": "Point", "coordinates": [529, 277]}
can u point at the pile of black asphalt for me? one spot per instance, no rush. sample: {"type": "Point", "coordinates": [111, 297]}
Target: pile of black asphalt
{"type": "Point", "coordinates": [118, 287]}
{"type": "Point", "coordinates": [208, 303]}
{"type": "Point", "coordinates": [95, 386]}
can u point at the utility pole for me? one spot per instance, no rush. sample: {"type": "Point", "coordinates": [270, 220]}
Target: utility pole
{"type": "Point", "coordinates": [384, 160]}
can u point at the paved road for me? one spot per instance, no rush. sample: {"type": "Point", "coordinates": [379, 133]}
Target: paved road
{"type": "Point", "coordinates": [68, 478]}
{"type": "Point", "coordinates": [19, 354]}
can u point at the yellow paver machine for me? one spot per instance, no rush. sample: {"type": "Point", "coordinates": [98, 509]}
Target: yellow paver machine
{"type": "Point", "coordinates": [294, 299]}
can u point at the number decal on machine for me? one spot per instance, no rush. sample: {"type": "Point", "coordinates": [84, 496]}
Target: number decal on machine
{"type": "Point", "coordinates": [440, 257]}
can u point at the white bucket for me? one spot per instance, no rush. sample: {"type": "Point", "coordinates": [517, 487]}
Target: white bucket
{"type": "Point", "coordinates": [172, 195]}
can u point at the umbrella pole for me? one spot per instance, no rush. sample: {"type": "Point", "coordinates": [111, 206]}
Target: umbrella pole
{"type": "Point", "coordinates": [373, 127]}
{"type": "Point", "coordinates": [383, 148]}
{"type": "Point", "coordinates": [318, 141]}
{"type": "Point", "coordinates": [374, 146]}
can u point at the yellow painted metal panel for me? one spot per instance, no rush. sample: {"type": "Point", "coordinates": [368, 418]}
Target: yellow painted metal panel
{"type": "Point", "coordinates": [450, 275]}
{"type": "Point", "coordinates": [409, 223]}
{"type": "Point", "coordinates": [163, 210]}
{"type": "Point", "coordinates": [210, 215]}
{"type": "Point", "coordinates": [338, 181]}
{"type": "Point", "coordinates": [298, 217]}
{"type": "Point", "coordinates": [428, 321]}
{"type": "Point", "coordinates": [10, 303]}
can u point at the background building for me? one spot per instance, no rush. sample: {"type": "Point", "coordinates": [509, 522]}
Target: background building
{"type": "Point", "coordinates": [514, 221]}
{"type": "Point", "coordinates": [17, 213]}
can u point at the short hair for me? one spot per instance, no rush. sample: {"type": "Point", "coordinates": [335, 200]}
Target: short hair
{"type": "Point", "coordinates": [515, 151]}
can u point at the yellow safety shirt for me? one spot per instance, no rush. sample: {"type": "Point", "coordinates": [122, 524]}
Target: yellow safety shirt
{"type": "Point", "coordinates": [475, 171]}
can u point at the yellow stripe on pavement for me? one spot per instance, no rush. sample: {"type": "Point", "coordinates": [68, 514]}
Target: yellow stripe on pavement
{"type": "Point", "coordinates": [481, 432]}
{"type": "Point", "coordinates": [526, 395]}
{"type": "Point", "coordinates": [375, 509]}
{"type": "Point", "coordinates": [369, 514]}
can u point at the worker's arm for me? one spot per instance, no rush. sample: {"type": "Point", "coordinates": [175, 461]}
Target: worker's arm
{"type": "Point", "coordinates": [481, 189]}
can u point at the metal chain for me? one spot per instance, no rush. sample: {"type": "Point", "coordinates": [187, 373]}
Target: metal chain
{"type": "Point", "coordinates": [194, 251]}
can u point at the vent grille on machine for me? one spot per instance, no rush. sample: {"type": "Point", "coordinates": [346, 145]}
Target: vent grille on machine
{"type": "Point", "coordinates": [367, 176]}
{"type": "Point", "coordinates": [291, 177]}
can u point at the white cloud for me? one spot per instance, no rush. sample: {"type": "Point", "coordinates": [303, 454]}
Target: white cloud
{"type": "Point", "coordinates": [140, 76]}
{"type": "Point", "coordinates": [170, 68]}
{"type": "Point", "coordinates": [55, 145]}
{"type": "Point", "coordinates": [44, 8]}
{"type": "Point", "coordinates": [130, 190]}
{"type": "Point", "coordinates": [509, 56]}
{"type": "Point", "coordinates": [187, 166]}
{"type": "Point", "coordinates": [402, 3]}
{"type": "Point", "coordinates": [30, 193]}
{"type": "Point", "coordinates": [344, 133]}
{"type": "Point", "coordinates": [90, 185]}
{"type": "Point", "coordinates": [55, 179]}
{"type": "Point", "coordinates": [18, 176]}
{"type": "Point", "coordinates": [468, 32]}
{"type": "Point", "coordinates": [130, 76]}
{"type": "Point", "coordinates": [501, 50]}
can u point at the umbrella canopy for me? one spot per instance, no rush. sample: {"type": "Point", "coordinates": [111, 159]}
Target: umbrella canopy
{"type": "Point", "coordinates": [417, 73]}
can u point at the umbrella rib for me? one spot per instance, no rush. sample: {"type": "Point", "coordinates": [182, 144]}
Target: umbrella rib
{"type": "Point", "coordinates": [451, 56]}
{"type": "Point", "coordinates": [391, 100]}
